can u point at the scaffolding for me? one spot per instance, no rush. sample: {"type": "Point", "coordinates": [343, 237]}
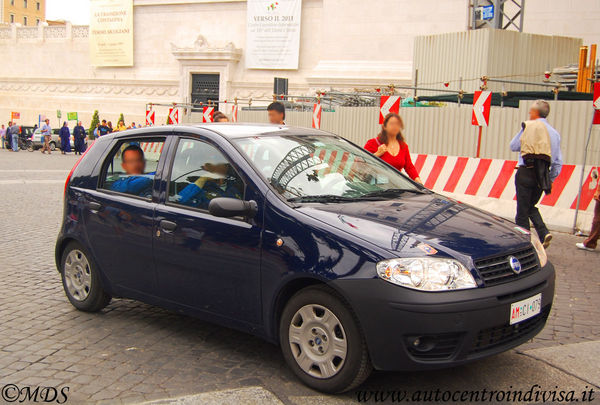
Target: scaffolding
{"type": "Point", "coordinates": [498, 14]}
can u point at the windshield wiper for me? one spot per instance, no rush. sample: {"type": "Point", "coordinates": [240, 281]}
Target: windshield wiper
{"type": "Point", "coordinates": [391, 192]}
{"type": "Point", "coordinates": [321, 198]}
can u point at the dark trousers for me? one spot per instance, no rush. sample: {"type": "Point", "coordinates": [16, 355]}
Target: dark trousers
{"type": "Point", "coordinates": [592, 240]}
{"type": "Point", "coordinates": [528, 195]}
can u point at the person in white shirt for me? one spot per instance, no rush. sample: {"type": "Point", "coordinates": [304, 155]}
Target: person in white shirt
{"type": "Point", "coordinates": [47, 135]}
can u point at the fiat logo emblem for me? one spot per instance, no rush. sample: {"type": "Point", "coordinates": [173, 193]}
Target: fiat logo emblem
{"type": "Point", "coordinates": [515, 264]}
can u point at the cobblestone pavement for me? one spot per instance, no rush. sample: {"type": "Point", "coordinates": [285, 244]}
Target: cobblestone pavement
{"type": "Point", "coordinates": [133, 352]}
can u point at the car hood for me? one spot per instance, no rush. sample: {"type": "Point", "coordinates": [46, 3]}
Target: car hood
{"type": "Point", "coordinates": [417, 224]}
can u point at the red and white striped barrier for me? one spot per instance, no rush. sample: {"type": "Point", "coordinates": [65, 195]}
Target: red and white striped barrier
{"type": "Point", "coordinates": [489, 183]}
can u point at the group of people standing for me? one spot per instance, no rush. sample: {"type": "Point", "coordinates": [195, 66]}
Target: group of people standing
{"type": "Point", "coordinates": [10, 135]}
{"type": "Point", "coordinates": [79, 137]}
{"type": "Point", "coordinates": [104, 127]}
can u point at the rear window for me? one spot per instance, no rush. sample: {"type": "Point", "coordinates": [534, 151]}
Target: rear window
{"type": "Point", "coordinates": [131, 166]}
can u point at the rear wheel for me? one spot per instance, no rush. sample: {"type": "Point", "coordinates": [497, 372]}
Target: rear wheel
{"type": "Point", "coordinates": [81, 281]}
{"type": "Point", "coordinates": [321, 341]}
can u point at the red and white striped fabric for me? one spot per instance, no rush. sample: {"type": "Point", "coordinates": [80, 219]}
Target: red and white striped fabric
{"type": "Point", "coordinates": [152, 150]}
{"type": "Point", "coordinates": [234, 113]}
{"type": "Point", "coordinates": [494, 178]}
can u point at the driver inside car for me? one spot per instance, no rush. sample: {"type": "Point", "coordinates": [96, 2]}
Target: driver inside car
{"type": "Point", "coordinates": [134, 164]}
{"type": "Point", "coordinates": [216, 181]}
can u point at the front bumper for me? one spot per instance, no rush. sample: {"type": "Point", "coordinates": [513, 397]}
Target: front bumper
{"type": "Point", "coordinates": [452, 327]}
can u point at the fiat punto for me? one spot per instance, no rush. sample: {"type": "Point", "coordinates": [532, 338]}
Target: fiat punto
{"type": "Point", "coordinates": [304, 239]}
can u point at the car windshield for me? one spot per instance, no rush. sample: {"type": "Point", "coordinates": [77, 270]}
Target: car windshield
{"type": "Point", "coordinates": [322, 167]}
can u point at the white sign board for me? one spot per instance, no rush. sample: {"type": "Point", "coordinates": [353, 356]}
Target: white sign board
{"type": "Point", "coordinates": [111, 32]}
{"type": "Point", "coordinates": [273, 34]}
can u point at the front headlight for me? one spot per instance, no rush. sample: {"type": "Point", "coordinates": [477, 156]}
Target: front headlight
{"type": "Point", "coordinates": [426, 273]}
{"type": "Point", "coordinates": [539, 248]}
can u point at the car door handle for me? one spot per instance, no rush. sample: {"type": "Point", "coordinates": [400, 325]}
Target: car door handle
{"type": "Point", "coordinates": [167, 226]}
{"type": "Point", "coordinates": [94, 206]}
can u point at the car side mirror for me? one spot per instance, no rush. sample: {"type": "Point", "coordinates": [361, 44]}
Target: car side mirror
{"type": "Point", "coordinates": [232, 207]}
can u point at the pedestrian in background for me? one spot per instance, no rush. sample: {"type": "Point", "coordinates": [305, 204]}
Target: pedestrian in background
{"type": "Point", "coordinates": [3, 136]}
{"type": "Point", "coordinates": [109, 125]}
{"type": "Point", "coordinates": [79, 138]}
{"type": "Point", "coordinates": [527, 184]}
{"type": "Point", "coordinates": [65, 138]}
{"type": "Point", "coordinates": [8, 137]}
{"type": "Point", "coordinates": [121, 126]}
{"type": "Point", "coordinates": [46, 136]}
{"type": "Point", "coordinates": [218, 116]}
{"type": "Point", "coordinates": [391, 147]}
{"type": "Point", "coordinates": [14, 134]}
{"type": "Point", "coordinates": [103, 129]}
{"type": "Point", "coordinates": [276, 113]}
{"type": "Point", "coordinates": [592, 241]}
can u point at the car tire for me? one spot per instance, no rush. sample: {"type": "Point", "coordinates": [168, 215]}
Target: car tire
{"type": "Point", "coordinates": [30, 146]}
{"type": "Point", "coordinates": [322, 342]}
{"type": "Point", "coordinates": [52, 146]}
{"type": "Point", "coordinates": [81, 280]}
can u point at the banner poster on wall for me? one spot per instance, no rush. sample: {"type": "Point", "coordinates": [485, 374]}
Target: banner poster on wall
{"type": "Point", "coordinates": [111, 32]}
{"type": "Point", "coordinates": [273, 34]}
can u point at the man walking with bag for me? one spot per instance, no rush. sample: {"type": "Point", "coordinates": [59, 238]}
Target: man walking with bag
{"type": "Point", "coordinates": [537, 169]}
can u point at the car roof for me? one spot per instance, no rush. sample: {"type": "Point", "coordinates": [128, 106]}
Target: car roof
{"type": "Point", "coordinates": [226, 130]}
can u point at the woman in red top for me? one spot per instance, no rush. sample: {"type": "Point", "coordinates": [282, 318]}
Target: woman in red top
{"type": "Point", "coordinates": [391, 147]}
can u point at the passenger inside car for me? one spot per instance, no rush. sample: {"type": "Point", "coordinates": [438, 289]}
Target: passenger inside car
{"type": "Point", "coordinates": [136, 182]}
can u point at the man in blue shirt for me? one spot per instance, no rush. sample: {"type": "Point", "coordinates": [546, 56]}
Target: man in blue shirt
{"type": "Point", "coordinates": [14, 136]}
{"type": "Point", "coordinates": [134, 164]}
{"type": "Point", "coordinates": [103, 129]}
{"type": "Point", "coordinates": [528, 189]}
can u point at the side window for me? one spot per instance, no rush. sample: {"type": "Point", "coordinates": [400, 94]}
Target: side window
{"type": "Point", "coordinates": [131, 166]}
{"type": "Point", "coordinates": [200, 173]}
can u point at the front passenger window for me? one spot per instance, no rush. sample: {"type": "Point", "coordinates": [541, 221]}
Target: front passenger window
{"type": "Point", "coordinates": [200, 173]}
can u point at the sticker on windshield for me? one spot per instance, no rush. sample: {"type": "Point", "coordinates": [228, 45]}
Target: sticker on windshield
{"type": "Point", "coordinates": [426, 248]}
{"type": "Point", "coordinates": [522, 230]}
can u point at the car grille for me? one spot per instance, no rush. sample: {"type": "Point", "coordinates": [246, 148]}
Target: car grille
{"type": "Point", "coordinates": [435, 347]}
{"type": "Point", "coordinates": [497, 269]}
{"type": "Point", "coordinates": [501, 335]}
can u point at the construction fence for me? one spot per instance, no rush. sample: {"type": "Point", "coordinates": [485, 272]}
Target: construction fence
{"type": "Point", "coordinates": [447, 131]}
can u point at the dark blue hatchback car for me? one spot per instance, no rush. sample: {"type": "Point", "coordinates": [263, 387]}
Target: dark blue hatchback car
{"type": "Point", "coordinates": [304, 239]}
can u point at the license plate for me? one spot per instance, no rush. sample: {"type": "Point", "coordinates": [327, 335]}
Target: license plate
{"type": "Point", "coordinates": [525, 309]}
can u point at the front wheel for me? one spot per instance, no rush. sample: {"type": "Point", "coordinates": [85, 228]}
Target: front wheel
{"type": "Point", "coordinates": [81, 280]}
{"type": "Point", "coordinates": [322, 342]}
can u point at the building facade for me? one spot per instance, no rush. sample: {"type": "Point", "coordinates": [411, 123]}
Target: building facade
{"type": "Point", "coordinates": [24, 12]}
{"type": "Point", "coordinates": [192, 50]}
